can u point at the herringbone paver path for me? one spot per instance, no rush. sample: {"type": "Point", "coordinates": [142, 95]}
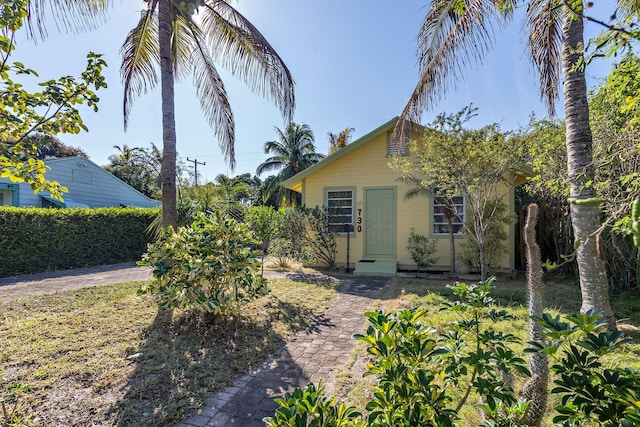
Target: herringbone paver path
{"type": "Point", "coordinates": [317, 353]}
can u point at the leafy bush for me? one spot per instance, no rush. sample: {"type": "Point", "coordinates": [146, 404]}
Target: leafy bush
{"type": "Point", "coordinates": [208, 266]}
{"type": "Point", "coordinates": [422, 250]}
{"type": "Point", "coordinates": [310, 407]}
{"type": "Point", "coordinates": [425, 376]}
{"type": "Point", "coordinates": [320, 241]}
{"type": "Point", "coordinates": [307, 236]}
{"type": "Point", "coordinates": [264, 222]}
{"type": "Point", "coordinates": [34, 240]}
{"type": "Point", "coordinates": [589, 391]}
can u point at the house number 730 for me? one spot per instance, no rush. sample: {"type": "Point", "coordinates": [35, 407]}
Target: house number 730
{"type": "Point", "coordinates": [359, 221]}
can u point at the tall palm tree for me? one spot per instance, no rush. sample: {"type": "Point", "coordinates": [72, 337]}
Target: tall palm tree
{"type": "Point", "coordinates": [293, 152]}
{"type": "Point", "coordinates": [168, 38]}
{"type": "Point", "coordinates": [457, 33]}
{"type": "Point", "coordinates": [339, 140]}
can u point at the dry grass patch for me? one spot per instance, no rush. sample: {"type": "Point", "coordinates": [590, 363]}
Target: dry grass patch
{"type": "Point", "coordinates": [104, 356]}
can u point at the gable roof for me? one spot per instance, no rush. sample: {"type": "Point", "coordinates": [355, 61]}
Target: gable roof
{"type": "Point", "coordinates": [295, 182]}
{"type": "Point", "coordinates": [78, 160]}
{"type": "Point", "coordinates": [523, 172]}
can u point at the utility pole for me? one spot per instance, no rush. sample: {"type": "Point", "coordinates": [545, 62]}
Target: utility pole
{"type": "Point", "coordinates": [195, 166]}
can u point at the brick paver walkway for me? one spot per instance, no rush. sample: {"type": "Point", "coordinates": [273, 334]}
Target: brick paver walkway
{"type": "Point", "coordinates": [317, 353]}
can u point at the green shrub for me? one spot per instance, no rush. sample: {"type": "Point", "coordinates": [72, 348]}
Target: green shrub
{"type": "Point", "coordinates": [35, 240]}
{"type": "Point", "coordinates": [422, 250]}
{"type": "Point", "coordinates": [310, 407]}
{"type": "Point", "coordinates": [424, 376]}
{"type": "Point", "coordinates": [208, 266]}
{"type": "Point", "coordinates": [309, 237]}
{"type": "Point", "coordinates": [591, 393]}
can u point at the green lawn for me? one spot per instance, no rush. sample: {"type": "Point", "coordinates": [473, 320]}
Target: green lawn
{"type": "Point", "coordinates": [106, 356]}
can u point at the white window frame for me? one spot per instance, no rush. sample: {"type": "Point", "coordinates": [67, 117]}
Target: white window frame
{"type": "Point", "coordinates": [338, 226]}
{"type": "Point", "coordinates": [440, 226]}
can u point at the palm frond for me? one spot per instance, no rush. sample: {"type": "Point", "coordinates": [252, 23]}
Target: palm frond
{"type": "Point", "coordinates": [140, 57]}
{"type": "Point", "coordinates": [543, 26]}
{"type": "Point", "coordinates": [213, 97]}
{"type": "Point", "coordinates": [185, 35]}
{"type": "Point", "coordinates": [241, 48]}
{"type": "Point", "coordinates": [272, 163]}
{"type": "Point", "coordinates": [454, 34]}
{"type": "Point", "coordinates": [71, 16]}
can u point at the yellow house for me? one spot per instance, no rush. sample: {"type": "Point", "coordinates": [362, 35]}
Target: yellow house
{"type": "Point", "coordinates": [360, 189]}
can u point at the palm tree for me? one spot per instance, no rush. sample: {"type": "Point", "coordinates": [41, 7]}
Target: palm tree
{"type": "Point", "coordinates": [169, 38]}
{"type": "Point", "coordinates": [455, 34]}
{"type": "Point", "coordinates": [339, 140]}
{"type": "Point", "coordinates": [293, 152]}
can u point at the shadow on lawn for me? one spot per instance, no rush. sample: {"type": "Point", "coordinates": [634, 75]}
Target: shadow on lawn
{"type": "Point", "coordinates": [185, 359]}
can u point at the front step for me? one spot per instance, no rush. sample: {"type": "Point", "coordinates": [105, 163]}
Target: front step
{"type": "Point", "coordinates": [376, 267]}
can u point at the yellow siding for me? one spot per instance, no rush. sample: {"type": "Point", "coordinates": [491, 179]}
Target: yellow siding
{"type": "Point", "coordinates": [367, 166]}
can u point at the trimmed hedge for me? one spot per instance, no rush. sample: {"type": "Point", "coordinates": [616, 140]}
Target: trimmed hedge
{"type": "Point", "coordinates": [34, 240]}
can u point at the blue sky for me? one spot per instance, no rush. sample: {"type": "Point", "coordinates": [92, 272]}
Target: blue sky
{"type": "Point", "coordinates": [353, 62]}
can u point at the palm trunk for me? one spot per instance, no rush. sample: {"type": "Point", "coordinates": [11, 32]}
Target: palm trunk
{"type": "Point", "coordinates": [169, 211]}
{"type": "Point", "coordinates": [585, 219]}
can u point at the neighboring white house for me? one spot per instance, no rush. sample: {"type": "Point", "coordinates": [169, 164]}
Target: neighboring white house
{"type": "Point", "coordinates": [89, 186]}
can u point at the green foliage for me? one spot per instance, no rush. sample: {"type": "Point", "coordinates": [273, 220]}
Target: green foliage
{"type": "Point", "coordinates": [319, 240]}
{"type": "Point", "coordinates": [52, 110]}
{"type": "Point", "coordinates": [451, 161]}
{"type": "Point", "coordinates": [617, 182]}
{"type": "Point", "coordinates": [303, 235]}
{"type": "Point", "coordinates": [139, 167]}
{"type": "Point", "coordinates": [207, 266]}
{"type": "Point", "coordinates": [309, 407]}
{"type": "Point", "coordinates": [422, 249]}
{"type": "Point", "coordinates": [424, 375]}
{"type": "Point", "coordinates": [495, 244]}
{"type": "Point", "coordinates": [589, 390]}
{"type": "Point", "coordinates": [293, 152]}
{"type": "Point", "coordinates": [36, 240]}
{"type": "Point", "coordinates": [264, 221]}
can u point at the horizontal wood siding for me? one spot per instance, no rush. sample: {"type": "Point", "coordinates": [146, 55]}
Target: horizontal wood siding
{"type": "Point", "coordinates": [92, 186]}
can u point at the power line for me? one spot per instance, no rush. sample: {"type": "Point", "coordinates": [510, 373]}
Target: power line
{"type": "Point", "coordinates": [195, 166]}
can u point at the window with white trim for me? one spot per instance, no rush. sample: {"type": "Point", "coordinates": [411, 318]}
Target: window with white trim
{"type": "Point", "coordinates": [339, 203]}
{"type": "Point", "coordinates": [453, 206]}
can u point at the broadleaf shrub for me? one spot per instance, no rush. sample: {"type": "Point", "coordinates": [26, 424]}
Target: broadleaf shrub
{"type": "Point", "coordinates": [35, 240]}
{"type": "Point", "coordinates": [422, 249]}
{"type": "Point", "coordinates": [591, 393]}
{"type": "Point", "coordinates": [424, 375]}
{"type": "Point", "coordinates": [208, 266]}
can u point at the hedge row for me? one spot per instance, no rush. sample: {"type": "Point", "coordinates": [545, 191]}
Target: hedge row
{"type": "Point", "coordinates": [34, 240]}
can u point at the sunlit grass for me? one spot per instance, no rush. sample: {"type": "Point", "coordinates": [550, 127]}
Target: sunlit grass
{"type": "Point", "coordinates": [105, 356]}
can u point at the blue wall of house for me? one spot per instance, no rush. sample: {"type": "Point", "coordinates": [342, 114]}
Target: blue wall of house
{"type": "Point", "coordinates": [89, 185]}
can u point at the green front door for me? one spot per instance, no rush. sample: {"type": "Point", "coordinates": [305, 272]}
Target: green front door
{"type": "Point", "coordinates": [380, 222]}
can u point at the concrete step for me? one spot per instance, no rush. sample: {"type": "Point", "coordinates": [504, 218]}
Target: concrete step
{"type": "Point", "coordinates": [376, 267]}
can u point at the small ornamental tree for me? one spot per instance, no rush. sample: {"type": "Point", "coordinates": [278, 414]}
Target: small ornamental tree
{"type": "Point", "coordinates": [52, 110]}
{"type": "Point", "coordinates": [450, 161]}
